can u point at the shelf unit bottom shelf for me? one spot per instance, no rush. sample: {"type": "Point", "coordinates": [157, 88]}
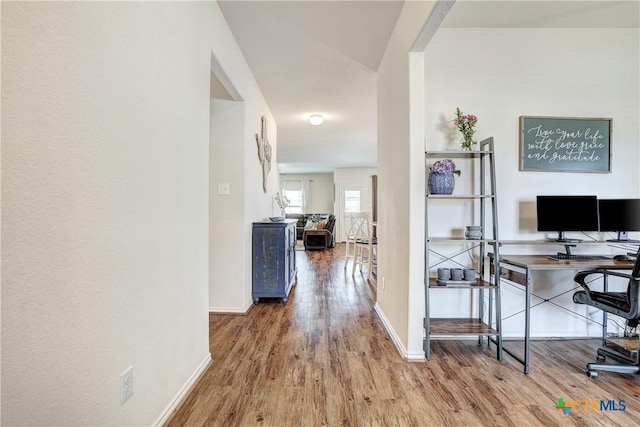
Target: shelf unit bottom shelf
{"type": "Point", "coordinates": [628, 347]}
{"type": "Point", "coordinates": [479, 284]}
{"type": "Point", "coordinates": [460, 326]}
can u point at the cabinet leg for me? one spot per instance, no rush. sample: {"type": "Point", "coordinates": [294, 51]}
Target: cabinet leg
{"type": "Point", "coordinates": [255, 301]}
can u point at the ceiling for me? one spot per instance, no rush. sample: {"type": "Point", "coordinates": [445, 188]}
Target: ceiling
{"type": "Point", "coordinates": [322, 56]}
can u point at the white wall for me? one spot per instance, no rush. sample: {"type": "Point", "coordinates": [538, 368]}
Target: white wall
{"type": "Point", "coordinates": [233, 128]}
{"type": "Point", "coordinates": [226, 142]}
{"type": "Point", "coordinates": [505, 73]}
{"type": "Point", "coordinates": [321, 189]}
{"type": "Point", "coordinates": [400, 297]}
{"type": "Point", "coordinates": [105, 190]}
{"type": "Point", "coordinates": [352, 177]}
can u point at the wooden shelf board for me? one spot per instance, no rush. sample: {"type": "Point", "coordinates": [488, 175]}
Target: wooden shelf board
{"type": "Point", "coordinates": [460, 196]}
{"type": "Point", "coordinates": [458, 154]}
{"type": "Point", "coordinates": [460, 326]}
{"type": "Point", "coordinates": [480, 284]}
{"type": "Point", "coordinates": [628, 346]}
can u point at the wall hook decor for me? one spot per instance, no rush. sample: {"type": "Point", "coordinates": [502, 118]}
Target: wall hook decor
{"type": "Point", "coordinates": [264, 151]}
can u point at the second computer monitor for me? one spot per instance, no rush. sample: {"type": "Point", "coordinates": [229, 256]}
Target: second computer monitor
{"type": "Point", "coordinates": [567, 213]}
{"type": "Point", "coordinates": [620, 216]}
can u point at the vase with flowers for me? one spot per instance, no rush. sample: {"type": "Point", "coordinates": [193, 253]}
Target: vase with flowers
{"type": "Point", "coordinates": [282, 202]}
{"type": "Point", "coordinates": [441, 177]}
{"type": "Point", "coordinates": [466, 124]}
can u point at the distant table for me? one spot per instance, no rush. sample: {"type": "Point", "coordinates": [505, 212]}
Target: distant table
{"type": "Point", "coordinates": [519, 269]}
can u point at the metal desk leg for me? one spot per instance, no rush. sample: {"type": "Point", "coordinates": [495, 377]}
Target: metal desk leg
{"type": "Point", "coordinates": [605, 288]}
{"type": "Point", "coordinates": [527, 324]}
{"type": "Point", "coordinates": [527, 321]}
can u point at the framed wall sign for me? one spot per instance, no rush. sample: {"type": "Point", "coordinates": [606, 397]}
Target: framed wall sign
{"type": "Point", "coordinates": [565, 144]}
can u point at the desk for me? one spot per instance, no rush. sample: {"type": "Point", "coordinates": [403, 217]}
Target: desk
{"type": "Point", "coordinates": [512, 267]}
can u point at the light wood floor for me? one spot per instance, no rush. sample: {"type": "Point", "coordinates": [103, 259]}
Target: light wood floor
{"type": "Point", "coordinates": [325, 360]}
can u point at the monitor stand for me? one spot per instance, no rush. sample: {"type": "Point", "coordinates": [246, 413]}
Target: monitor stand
{"type": "Point", "coordinates": [562, 239]}
{"type": "Point", "coordinates": [623, 237]}
{"type": "Point", "coordinates": [567, 249]}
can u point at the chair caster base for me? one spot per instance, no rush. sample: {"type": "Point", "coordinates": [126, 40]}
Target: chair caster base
{"type": "Point", "coordinates": [592, 374]}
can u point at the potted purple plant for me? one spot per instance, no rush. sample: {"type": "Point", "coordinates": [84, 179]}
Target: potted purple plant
{"type": "Point", "coordinates": [441, 177]}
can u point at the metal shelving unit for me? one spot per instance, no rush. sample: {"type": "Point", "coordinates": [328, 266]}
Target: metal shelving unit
{"type": "Point", "coordinates": [487, 323]}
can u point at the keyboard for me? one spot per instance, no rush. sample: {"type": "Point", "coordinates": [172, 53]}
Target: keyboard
{"type": "Point", "coordinates": [565, 257]}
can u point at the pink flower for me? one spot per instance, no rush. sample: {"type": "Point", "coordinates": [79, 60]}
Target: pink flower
{"type": "Point", "coordinates": [466, 125]}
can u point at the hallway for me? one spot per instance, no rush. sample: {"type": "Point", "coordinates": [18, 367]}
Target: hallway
{"type": "Point", "coordinates": [325, 359]}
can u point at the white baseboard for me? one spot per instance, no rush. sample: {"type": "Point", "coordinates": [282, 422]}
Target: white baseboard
{"type": "Point", "coordinates": [184, 390]}
{"type": "Point", "coordinates": [230, 310]}
{"type": "Point", "coordinates": [409, 356]}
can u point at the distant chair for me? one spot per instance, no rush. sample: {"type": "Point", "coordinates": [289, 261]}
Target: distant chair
{"type": "Point", "coordinates": [373, 249]}
{"type": "Point", "coordinates": [356, 226]}
{"type": "Point", "coordinates": [365, 243]}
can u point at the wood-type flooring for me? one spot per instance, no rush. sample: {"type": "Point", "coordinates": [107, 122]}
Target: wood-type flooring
{"type": "Point", "coordinates": [325, 359]}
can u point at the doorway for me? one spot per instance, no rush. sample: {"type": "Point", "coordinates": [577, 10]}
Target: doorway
{"type": "Point", "coordinates": [351, 200]}
{"type": "Point", "coordinates": [226, 198]}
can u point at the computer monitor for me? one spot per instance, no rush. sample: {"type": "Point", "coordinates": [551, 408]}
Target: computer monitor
{"type": "Point", "coordinates": [567, 213]}
{"type": "Point", "coordinates": [620, 216]}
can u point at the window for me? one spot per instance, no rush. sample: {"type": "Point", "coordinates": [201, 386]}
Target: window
{"type": "Point", "coordinates": [293, 191]}
{"type": "Point", "coordinates": [295, 199]}
{"type": "Point", "coordinates": [352, 200]}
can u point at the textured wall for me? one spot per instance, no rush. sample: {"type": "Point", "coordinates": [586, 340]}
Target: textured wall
{"type": "Point", "coordinates": [321, 189]}
{"type": "Point", "coordinates": [105, 181]}
{"type": "Point", "coordinates": [551, 72]}
{"type": "Point", "coordinates": [401, 296]}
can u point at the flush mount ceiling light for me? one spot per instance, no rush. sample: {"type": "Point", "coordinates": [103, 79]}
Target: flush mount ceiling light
{"type": "Point", "coordinates": [316, 119]}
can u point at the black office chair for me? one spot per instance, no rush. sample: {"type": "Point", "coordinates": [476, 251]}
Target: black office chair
{"type": "Point", "coordinates": [623, 304]}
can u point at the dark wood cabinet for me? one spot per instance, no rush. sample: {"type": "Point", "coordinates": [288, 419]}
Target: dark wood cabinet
{"type": "Point", "coordinates": [274, 259]}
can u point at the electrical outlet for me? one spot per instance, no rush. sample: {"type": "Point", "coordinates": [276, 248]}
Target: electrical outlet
{"type": "Point", "coordinates": [126, 385]}
{"type": "Point", "coordinates": [224, 189]}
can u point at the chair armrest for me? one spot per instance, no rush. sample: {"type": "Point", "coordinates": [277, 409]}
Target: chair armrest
{"type": "Point", "coordinates": [581, 276]}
